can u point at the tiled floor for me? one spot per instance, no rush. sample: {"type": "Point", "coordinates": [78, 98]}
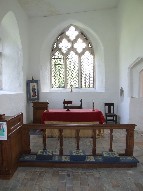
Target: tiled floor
{"type": "Point", "coordinates": [53, 179]}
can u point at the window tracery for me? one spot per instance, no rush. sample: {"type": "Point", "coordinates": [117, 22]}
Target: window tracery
{"type": "Point", "coordinates": [72, 60]}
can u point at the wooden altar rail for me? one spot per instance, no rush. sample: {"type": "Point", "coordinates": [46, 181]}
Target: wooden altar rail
{"type": "Point", "coordinates": [77, 127]}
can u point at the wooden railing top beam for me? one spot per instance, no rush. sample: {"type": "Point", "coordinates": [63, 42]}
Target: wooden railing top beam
{"type": "Point", "coordinates": [80, 126]}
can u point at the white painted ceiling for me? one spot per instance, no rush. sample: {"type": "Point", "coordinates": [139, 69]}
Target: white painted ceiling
{"type": "Point", "coordinates": [45, 8]}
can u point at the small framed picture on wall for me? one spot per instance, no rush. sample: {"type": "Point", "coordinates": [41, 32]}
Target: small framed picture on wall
{"type": "Point", "coordinates": [32, 90]}
{"type": "Point", "coordinates": [3, 131]}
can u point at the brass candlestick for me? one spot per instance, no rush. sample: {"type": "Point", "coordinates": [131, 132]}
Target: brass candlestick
{"type": "Point", "coordinates": [71, 87]}
{"type": "Point", "coordinates": [93, 106]}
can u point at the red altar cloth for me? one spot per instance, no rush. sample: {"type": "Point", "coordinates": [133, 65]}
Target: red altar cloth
{"type": "Point", "coordinates": [74, 115]}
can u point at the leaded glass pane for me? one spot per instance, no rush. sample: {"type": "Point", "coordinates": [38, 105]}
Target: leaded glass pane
{"type": "Point", "coordinates": [64, 45]}
{"type": "Point", "coordinates": [72, 60]}
{"type": "Point", "coordinates": [72, 70]}
{"type": "Point", "coordinates": [55, 45]}
{"type": "Point", "coordinates": [58, 78]}
{"type": "Point", "coordinates": [87, 70]}
{"type": "Point", "coordinates": [72, 33]}
{"type": "Point", "coordinates": [79, 45]}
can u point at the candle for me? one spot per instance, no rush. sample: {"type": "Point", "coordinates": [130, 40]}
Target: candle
{"type": "Point", "coordinates": [93, 105]}
{"type": "Point", "coordinates": [47, 104]}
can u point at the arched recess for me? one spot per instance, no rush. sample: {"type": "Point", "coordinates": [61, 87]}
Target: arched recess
{"type": "Point", "coordinates": [46, 50]}
{"type": "Point", "coordinates": [12, 56]}
{"type": "Point", "coordinates": [141, 83]}
{"type": "Point", "coordinates": [135, 78]}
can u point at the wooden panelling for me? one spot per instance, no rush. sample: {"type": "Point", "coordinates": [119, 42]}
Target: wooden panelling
{"type": "Point", "coordinates": [38, 109]}
{"type": "Point", "coordinates": [12, 148]}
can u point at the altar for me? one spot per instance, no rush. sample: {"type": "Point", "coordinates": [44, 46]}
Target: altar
{"type": "Point", "coordinates": [84, 116]}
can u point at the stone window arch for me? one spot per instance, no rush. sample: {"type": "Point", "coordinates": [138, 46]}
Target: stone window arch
{"type": "Point", "coordinates": [72, 60]}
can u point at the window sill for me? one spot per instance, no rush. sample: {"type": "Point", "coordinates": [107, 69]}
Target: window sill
{"type": "Point", "coordinates": [73, 90]}
{"type": "Point", "coordinates": [2, 92]}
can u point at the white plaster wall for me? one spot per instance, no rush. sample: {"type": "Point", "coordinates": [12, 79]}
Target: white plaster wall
{"type": "Point", "coordinates": [136, 112]}
{"type": "Point", "coordinates": [134, 77]}
{"type": "Point", "coordinates": [13, 103]}
{"type": "Point", "coordinates": [87, 99]}
{"type": "Point", "coordinates": [55, 100]}
{"type": "Point", "coordinates": [12, 56]}
{"type": "Point", "coordinates": [130, 48]}
{"type": "Point", "coordinates": [99, 24]}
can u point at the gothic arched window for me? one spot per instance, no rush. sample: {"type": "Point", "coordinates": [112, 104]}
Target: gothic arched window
{"type": "Point", "coordinates": [72, 60]}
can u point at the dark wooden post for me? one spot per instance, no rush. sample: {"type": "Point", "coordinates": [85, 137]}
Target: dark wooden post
{"type": "Point", "coordinates": [77, 139]}
{"type": "Point", "coordinates": [61, 142]}
{"type": "Point", "coordinates": [111, 140]}
{"type": "Point", "coordinates": [44, 139]}
{"type": "Point", "coordinates": [129, 142]}
{"type": "Point", "coordinates": [94, 142]}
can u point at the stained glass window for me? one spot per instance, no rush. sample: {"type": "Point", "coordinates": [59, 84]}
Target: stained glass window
{"type": "Point", "coordinates": [72, 60]}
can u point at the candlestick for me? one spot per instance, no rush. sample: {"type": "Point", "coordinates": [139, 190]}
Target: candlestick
{"type": "Point", "coordinates": [71, 87]}
{"type": "Point", "coordinates": [93, 105]}
{"type": "Point", "coordinates": [47, 104]}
